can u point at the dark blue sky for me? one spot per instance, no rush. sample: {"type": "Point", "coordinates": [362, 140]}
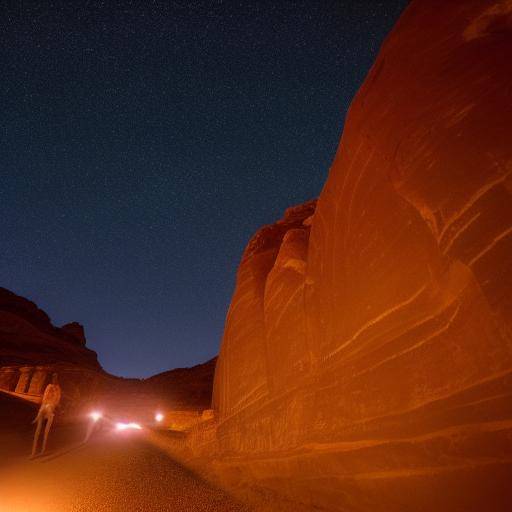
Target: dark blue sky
{"type": "Point", "coordinates": [142, 144]}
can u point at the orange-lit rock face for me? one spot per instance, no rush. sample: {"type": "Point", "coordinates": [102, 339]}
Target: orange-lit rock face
{"type": "Point", "coordinates": [377, 356]}
{"type": "Point", "coordinates": [270, 279]}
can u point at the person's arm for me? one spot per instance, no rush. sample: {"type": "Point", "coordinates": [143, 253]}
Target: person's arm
{"type": "Point", "coordinates": [43, 400]}
{"type": "Point", "coordinates": [45, 397]}
{"type": "Point", "coordinates": [37, 416]}
{"type": "Point", "coordinates": [46, 394]}
{"type": "Point", "coordinates": [58, 396]}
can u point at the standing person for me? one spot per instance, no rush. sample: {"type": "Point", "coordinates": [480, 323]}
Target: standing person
{"type": "Point", "coordinates": [50, 401]}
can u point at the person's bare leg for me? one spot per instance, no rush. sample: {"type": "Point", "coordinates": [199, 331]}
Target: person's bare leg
{"type": "Point", "coordinates": [36, 436]}
{"type": "Point", "coordinates": [49, 422]}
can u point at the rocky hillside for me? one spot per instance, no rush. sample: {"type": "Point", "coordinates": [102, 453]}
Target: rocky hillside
{"type": "Point", "coordinates": [28, 336]}
{"type": "Point", "coordinates": [185, 388]}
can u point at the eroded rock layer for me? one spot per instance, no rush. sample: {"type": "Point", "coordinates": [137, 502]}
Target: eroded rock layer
{"type": "Point", "coordinates": [275, 253]}
{"type": "Point", "coordinates": [367, 357]}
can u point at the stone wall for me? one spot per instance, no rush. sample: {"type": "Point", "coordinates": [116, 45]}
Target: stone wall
{"type": "Point", "coordinates": [366, 363]}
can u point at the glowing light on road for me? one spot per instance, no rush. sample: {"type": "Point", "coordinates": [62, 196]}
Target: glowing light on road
{"type": "Point", "coordinates": [128, 426]}
{"type": "Point", "coordinates": [95, 415]}
{"type": "Point", "coordinates": [159, 417]}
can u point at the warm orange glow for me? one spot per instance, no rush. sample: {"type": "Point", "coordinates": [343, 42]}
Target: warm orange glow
{"type": "Point", "coordinates": [95, 415]}
{"type": "Point", "coordinates": [159, 417]}
{"type": "Point", "coordinates": [128, 426]}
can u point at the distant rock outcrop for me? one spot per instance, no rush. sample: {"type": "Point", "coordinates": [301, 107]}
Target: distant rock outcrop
{"type": "Point", "coordinates": [185, 388]}
{"type": "Point", "coordinates": [180, 395]}
{"type": "Point", "coordinates": [367, 365]}
{"type": "Point", "coordinates": [28, 336]}
{"type": "Point", "coordinates": [75, 331]}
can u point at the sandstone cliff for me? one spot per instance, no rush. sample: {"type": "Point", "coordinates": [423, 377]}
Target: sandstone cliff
{"type": "Point", "coordinates": [367, 365]}
{"type": "Point", "coordinates": [27, 336]}
{"type": "Point", "coordinates": [271, 273]}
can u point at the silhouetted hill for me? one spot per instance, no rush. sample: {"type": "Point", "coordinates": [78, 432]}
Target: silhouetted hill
{"type": "Point", "coordinates": [27, 336]}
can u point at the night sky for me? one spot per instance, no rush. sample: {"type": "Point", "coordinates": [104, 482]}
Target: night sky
{"type": "Point", "coordinates": [143, 143]}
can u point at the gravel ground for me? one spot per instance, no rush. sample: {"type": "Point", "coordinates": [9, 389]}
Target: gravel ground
{"type": "Point", "coordinates": [113, 472]}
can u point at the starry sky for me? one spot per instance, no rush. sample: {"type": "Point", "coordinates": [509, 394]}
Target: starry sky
{"type": "Point", "coordinates": [143, 143]}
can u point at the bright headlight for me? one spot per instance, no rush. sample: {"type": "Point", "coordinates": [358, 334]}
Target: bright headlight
{"type": "Point", "coordinates": [95, 415]}
{"type": "Point", "coordinates": [128, 426]}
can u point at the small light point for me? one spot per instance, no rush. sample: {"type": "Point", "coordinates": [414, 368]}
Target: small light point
{"type": "Point", "coordinates": [95, 415]}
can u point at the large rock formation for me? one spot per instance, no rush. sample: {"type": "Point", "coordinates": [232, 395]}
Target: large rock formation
{"type": "Point", "coordinates": [271, 275]}
{"type": "Point", "coordinates": [368, 365]}
{"type": "Point", "coordinates": [75, 331]}
{"type": "Point", "coordinates": [27, 336]}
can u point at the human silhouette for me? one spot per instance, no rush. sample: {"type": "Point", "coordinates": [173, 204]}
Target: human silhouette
{"type": "Point", "coordinates": [50, 401]}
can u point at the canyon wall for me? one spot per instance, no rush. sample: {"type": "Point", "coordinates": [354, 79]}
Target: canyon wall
{"type": "Point", "coordinates": [27, 335]}
{"type": "Point", "coordinates": [366, 363]}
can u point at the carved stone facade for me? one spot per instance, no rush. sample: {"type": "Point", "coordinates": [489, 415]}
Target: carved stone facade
{"type": "Point", "coordinates": [29, 382]}
{"type": "Point", "coordinates": [25, 374]}
{"type": "Point", "coordinates": [8, 378]}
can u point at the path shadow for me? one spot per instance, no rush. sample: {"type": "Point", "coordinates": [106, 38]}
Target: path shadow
{"type": "Point", "coordinates": [17, 433]}
{"type": "Point", "coordinates": [55, 454]}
